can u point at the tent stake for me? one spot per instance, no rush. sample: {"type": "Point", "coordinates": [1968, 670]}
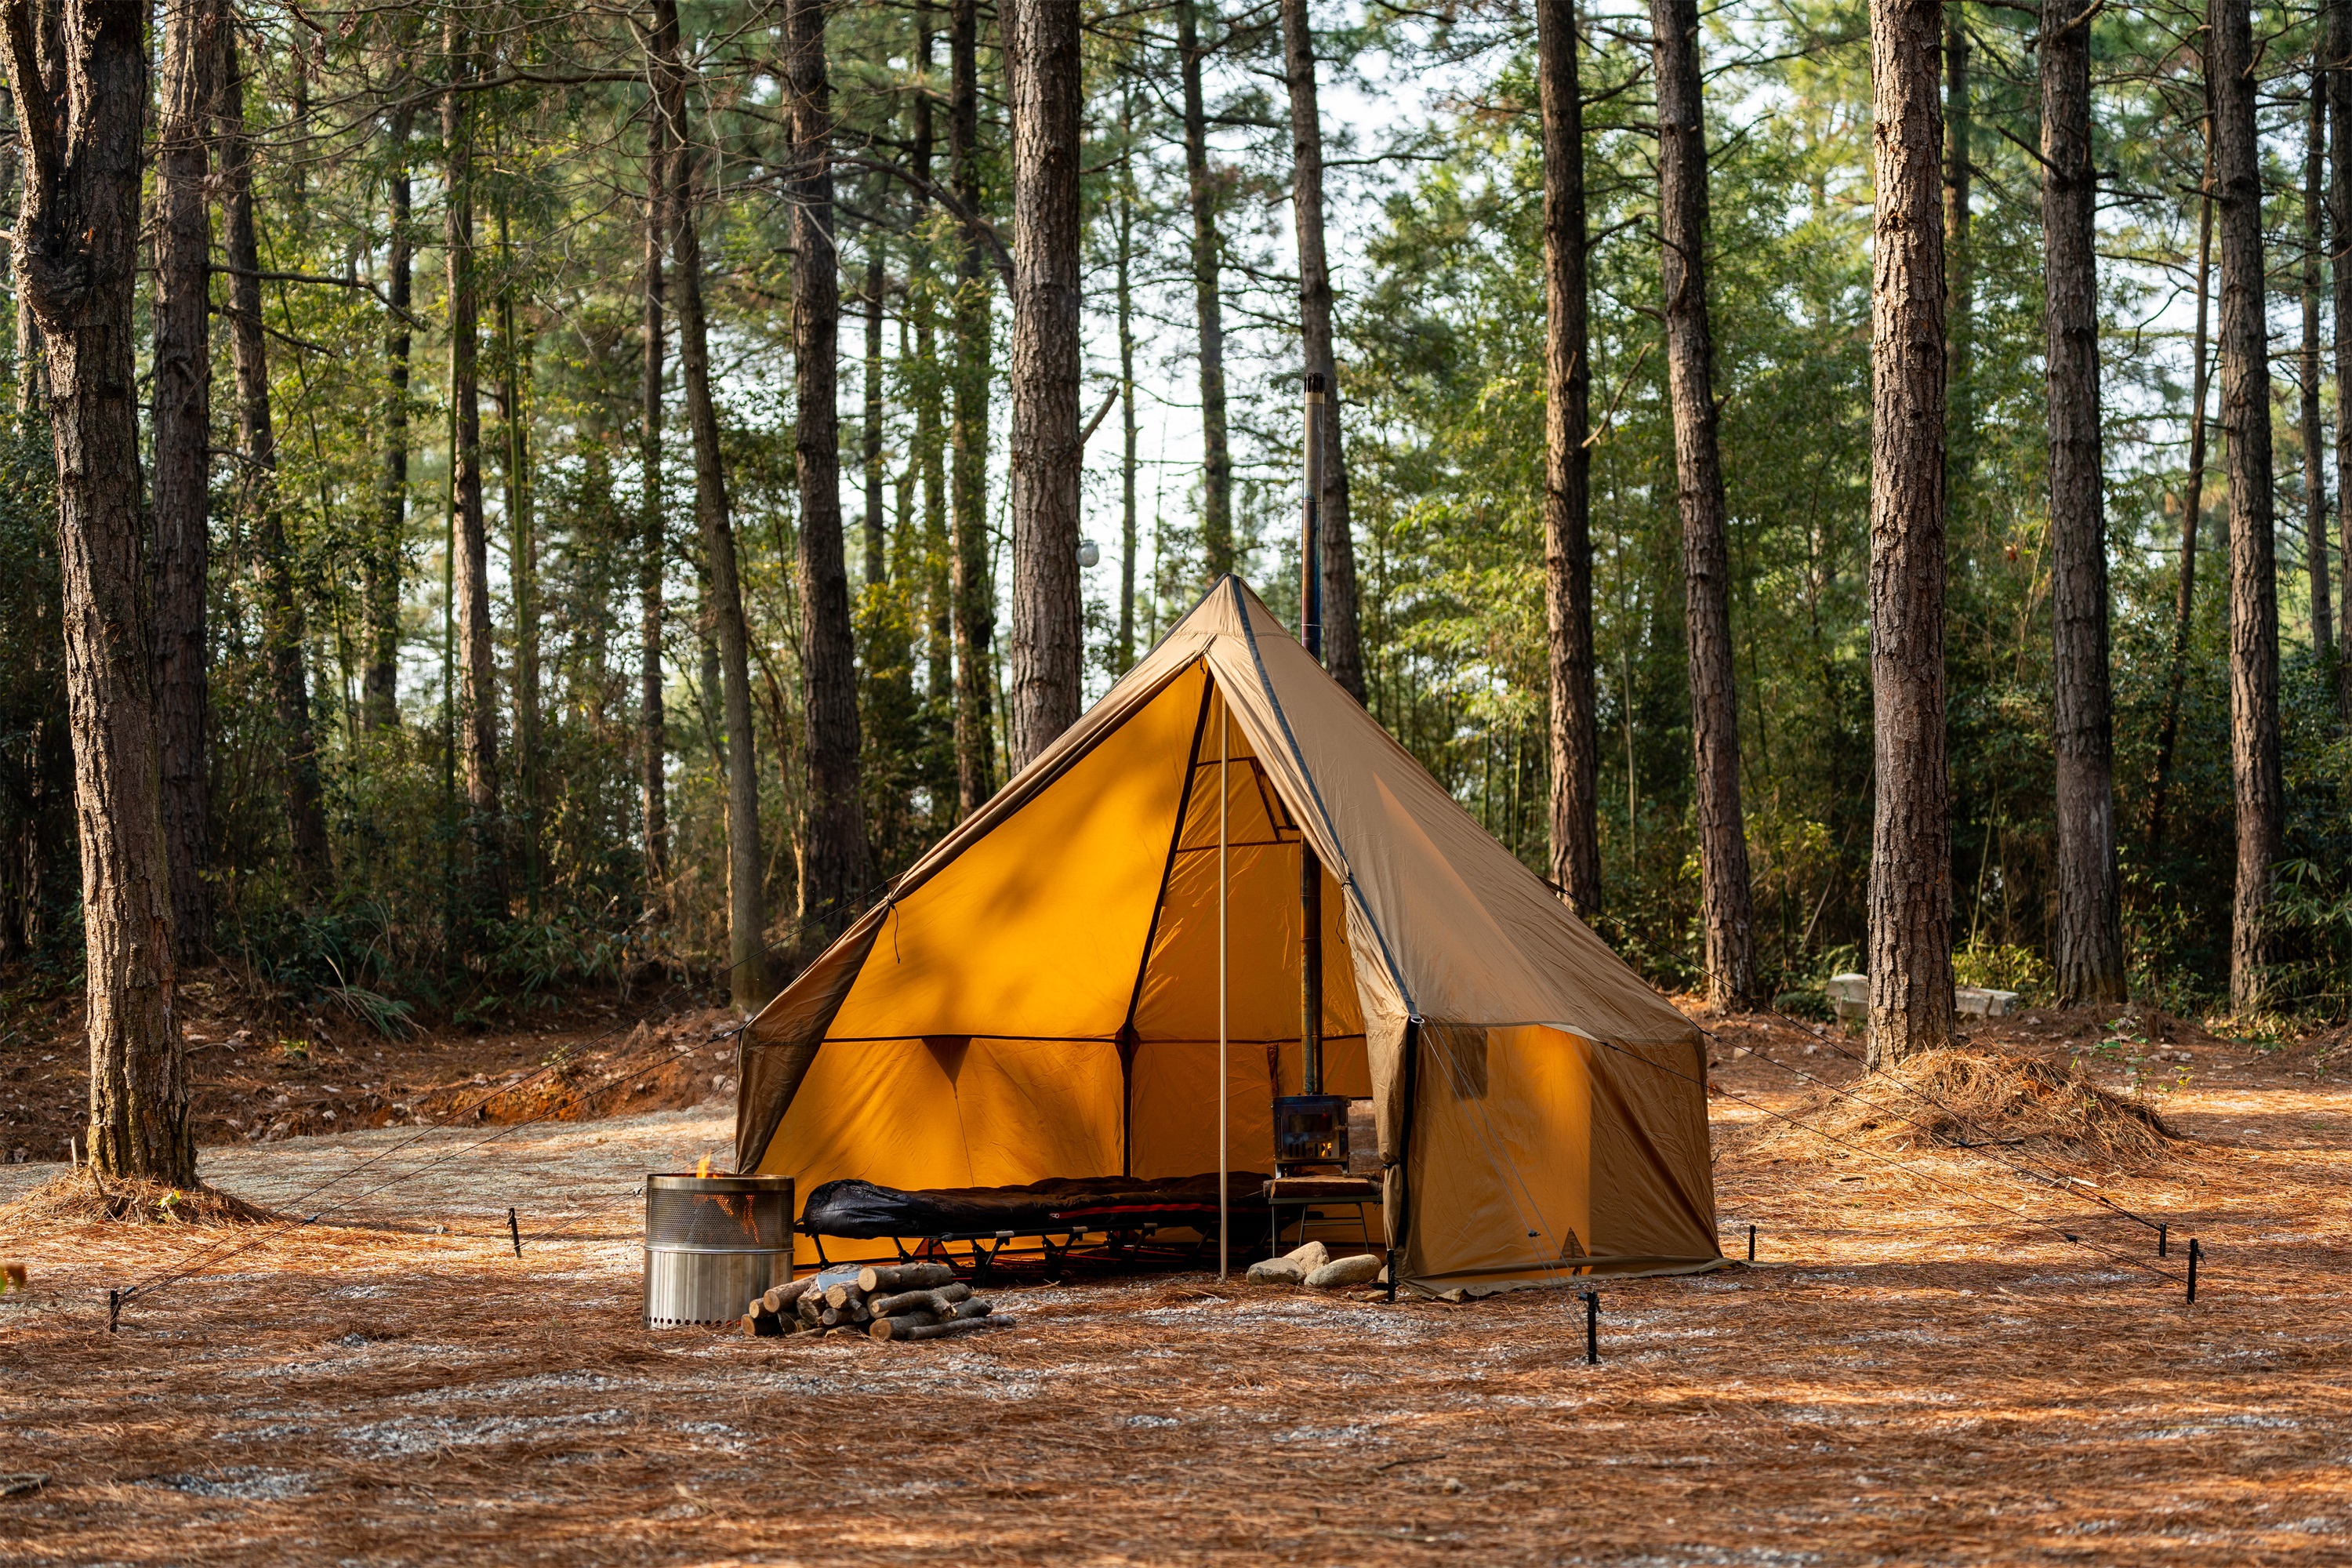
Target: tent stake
{"type": "Point", "coordinates": [1593, 1327]}
{"type": "Point", "coordinates": [1751, 1244]}
{"type": "Point", "coordinates": [2160, 1239]}
{"type": "Point", "coordinates": [2195, 1254]}
{"type": "Point", "coordinates": [515, 1231]}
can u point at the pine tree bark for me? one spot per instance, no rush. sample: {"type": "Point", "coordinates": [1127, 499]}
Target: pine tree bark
{"type": "Point", "coordinates": [1727, 901]}
{"type": "Point", "coordinates": [477, 696]}
{"type": "Point", "coordinates": [1960, 283]}
{"type": "Point", "coordinates": [833, 871]}
{"type": "Point", "coordinates": [2192, 505]}
{"type": "Point", "coordinates": [76, 257]}
{"type": "Point", "coordinates": [1208, 303]}
{"type": "Point", "coordinates": [523, 572]}
{"type": "Point", "coordinates": [931, 435]}
{"type": "Point", "coordinates": [380, 590]}
{"type": "Point", "coordinates": [2337, 22]}
{"type": "Point", "coordinates": [183, 425]}
{"type": "Point", "coordinates": [653, 533]}
{"type": "Point", "coordinates": [1123, 289]}
{"type": "Point", "coordinates": [2087, 948]}
{"type": "Point", "coordinates": [869, 433]}
{"type": "Point", "coordinates": [973, 589]}
{"type": "Point", "coordinates": [282, 632]}
{"type": "Point", "coordinates": [1910, 933]}
{"type": "Point", "coordinates": [1568, 469]}
{"type": "Point", "coordinates": [2314, 423]}
{"type": "Point", "coordinates": [1041, 59]}
{"type": "Point", "coordinates": [2257, 784]}
{"type": "Point", "coordinates": [1342, 643]}
{"type": "Point", "coordinates": [747, 969]}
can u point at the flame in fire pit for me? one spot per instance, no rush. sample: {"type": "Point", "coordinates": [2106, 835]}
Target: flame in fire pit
{"type": "Point", "coordinates": [702, 1167]}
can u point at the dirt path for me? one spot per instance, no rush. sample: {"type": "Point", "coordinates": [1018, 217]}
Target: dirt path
{"type": "Point", "coordinates": [1910, 1376]}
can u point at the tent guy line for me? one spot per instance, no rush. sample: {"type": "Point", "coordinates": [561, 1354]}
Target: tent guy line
{"type": "Point", "coordinates": [218, 1252]}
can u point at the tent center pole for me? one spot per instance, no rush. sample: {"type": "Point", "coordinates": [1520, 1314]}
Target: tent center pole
{"type": "Point", "coordinates": [1224, 800]}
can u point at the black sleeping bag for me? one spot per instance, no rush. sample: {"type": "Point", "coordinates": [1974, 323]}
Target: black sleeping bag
{"type": "Point", "coordinates": [863, 1211]}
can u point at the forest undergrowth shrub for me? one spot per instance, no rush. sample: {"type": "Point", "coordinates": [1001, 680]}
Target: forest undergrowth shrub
{"type": "Point", "coordinates": [2003, 966]}
{"type": "Point", "coordinates": [333, 955]}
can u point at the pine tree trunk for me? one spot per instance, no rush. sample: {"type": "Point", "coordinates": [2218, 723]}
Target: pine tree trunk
{"type": "Point", "coordinates": [522, 573]}
{"type": "Point", "coordinates": [2314, 424]}
{"type": "Point", "coordinates": [2088, 945]}
{"type": "Point", "coordinates": [1568, 469]}
{"type": "Point", "coordinates": [1959, 320]}
{"type": "Point", "coordinates": [870, 433]}
{"type": "Point", "coordinates": [1728, 904]}
{"type": "Point", "coordinates": [833, 875]}
{"type": "Point", "coordinates": [477, 696]}
{"type": "Point", "coordinates": [1342, 643]}
{"type": "Point", "coordinates": [1910, 937]}
{"type": "Point", "coordinates": [2192, 506]}
{"type": "Point", "coordinates": [726, 642]}
{"type": "Point", "coordinates": [380, 590]}
{"type": "Point", "coordinates": [282, 633]}
{"type": "Point", "coordinates": [653, 533]}
{"type": "Point", "coordinates": [1208, 303]}
{"type": "Point", "coordinates": [2255, 772]}
{"type": "Point", "coordinates": [938, 594]}
{"type": "Point", "coordinates": [1041, 59]}
{"type": "Point", "coordinates": [1123, 654]}
{"type": "Point", "coordinates": [77, 253]}
{"type": "Point", "coordinates": [2337, 21]}
{"type": "Point", "coordinates": [974, 590]}
{"type": "Point", "coordinates": [182, 375]}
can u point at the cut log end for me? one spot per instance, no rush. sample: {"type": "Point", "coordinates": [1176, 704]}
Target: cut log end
{"type": "Point", "coordinates": [780, 1297]}
{"type": "Point", "coordinates": [899, 1325]}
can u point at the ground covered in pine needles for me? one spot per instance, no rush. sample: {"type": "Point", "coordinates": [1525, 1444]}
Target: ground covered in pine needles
{"type": "Point", "coordinates": [1921, 1368]}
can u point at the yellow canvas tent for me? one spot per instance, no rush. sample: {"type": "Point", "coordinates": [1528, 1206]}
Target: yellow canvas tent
{"type": "Point", "coordinates": [1038, 996]}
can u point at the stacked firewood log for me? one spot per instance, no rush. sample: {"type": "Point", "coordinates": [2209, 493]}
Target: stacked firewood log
{"type": "Point", "coordinates": [896, 1302]}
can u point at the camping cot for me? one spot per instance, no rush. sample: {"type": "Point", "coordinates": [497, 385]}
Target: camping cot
{"type": "Point", "coordinates": [1044, 995]}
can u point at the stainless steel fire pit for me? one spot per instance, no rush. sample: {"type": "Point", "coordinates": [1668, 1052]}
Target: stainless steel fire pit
{"type": "Point", "coordinates": [713, 1243]}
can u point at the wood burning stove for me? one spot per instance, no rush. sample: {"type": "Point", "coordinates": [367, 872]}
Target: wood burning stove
{"type": "Point", "coordinates": [1310, 1132]}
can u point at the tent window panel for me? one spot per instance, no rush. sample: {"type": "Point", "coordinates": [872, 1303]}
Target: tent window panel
{"type": "Point", "coordinates": [1488, 1170]}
